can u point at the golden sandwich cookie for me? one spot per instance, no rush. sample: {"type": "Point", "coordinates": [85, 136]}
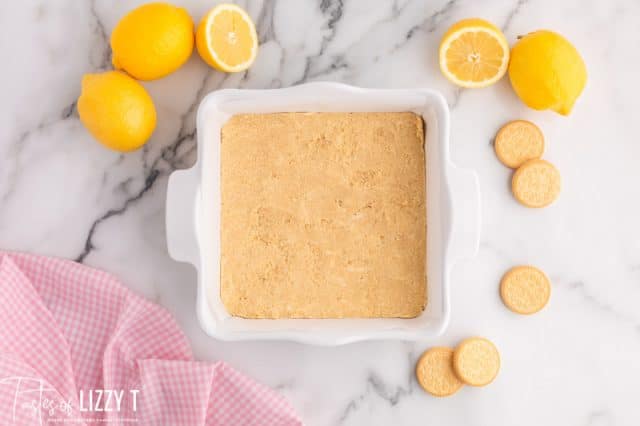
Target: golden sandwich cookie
{"type": "Point", "coordinates": [536, 183]}
{"type": "Point", "coordinates": [476, 361]}
{"type": "Point", "coordinates": [525, 289]}
{"type": "Point", "coordinates": [435, 374]}
{"type": "Point", "coordinates": [518, 142]}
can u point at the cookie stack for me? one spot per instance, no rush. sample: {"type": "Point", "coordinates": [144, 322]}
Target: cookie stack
{"type": "Point", "coordinates": [442, 371]}
{"type": "Point", "coordinates": [519, 145]}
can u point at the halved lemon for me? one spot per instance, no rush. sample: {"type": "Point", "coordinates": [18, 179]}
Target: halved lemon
{"type": "Point", "coordinates": [226, 38]}
{"type": "Point", "coordinates": [474, 53]}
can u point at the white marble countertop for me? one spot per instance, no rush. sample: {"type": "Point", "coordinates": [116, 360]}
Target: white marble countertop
{"type": "Point", "coordinates": [575, 363]}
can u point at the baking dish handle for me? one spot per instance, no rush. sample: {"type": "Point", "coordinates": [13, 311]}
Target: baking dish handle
{"type": "Point", "coordinates": [182, 190]}
{"type": "Point", "coordinates": [465, 196]}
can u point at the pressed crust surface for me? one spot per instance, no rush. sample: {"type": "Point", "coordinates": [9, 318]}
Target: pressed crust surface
{"type": "Point", "coordinates": [323, 215]}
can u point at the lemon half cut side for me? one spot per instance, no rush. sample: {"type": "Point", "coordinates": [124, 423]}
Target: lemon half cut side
{"type": "Point", "coordinates": [226, 38]}
{"type": "Point", "coordinates": [474, 53]}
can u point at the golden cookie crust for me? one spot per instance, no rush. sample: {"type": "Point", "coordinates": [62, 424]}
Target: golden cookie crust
{"type": "Point", "coordinates": [476, 361]}
{"type": "Point", "coordinates": [435, 374]}
{"type": "Point", "coordinates": [323, 215]}
{"type": "Point", "coordinates": [517, 142]}
{"type": "Point", "coordinates": [525, 289]}
{"type": "Point", "coordinates": [536, 183]}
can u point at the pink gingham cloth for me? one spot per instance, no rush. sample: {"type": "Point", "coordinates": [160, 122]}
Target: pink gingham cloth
{"type": "Point", "coordinates": [69, 333]}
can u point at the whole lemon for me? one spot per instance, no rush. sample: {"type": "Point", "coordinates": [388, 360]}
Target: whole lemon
{"type": "Point", "coordinates": [547, 72]}
{"type": "Point", "coordinates": [152, 41]}
{"type": "Point", "coordinates": [116, 110]}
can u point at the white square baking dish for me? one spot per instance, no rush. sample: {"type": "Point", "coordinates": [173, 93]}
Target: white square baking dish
{"type": "Point", "coordinates": [193, 212]}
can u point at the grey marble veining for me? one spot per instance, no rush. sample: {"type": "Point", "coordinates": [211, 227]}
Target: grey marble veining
{"type": "Point", "coordinates": [575, 363]}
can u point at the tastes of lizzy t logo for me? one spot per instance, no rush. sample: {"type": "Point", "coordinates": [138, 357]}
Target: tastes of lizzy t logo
{"type": "Point", "coordinates": [32, 398]}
